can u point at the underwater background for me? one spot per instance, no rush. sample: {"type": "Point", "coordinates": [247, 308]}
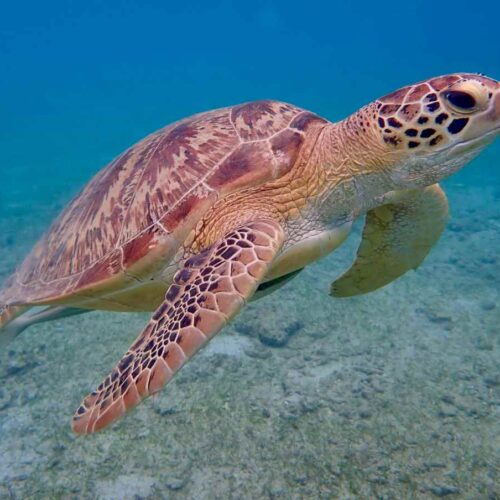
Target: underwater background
{"type": "Point", "coordinates": [395, 394]}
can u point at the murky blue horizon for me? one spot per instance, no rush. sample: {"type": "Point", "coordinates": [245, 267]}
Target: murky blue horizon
{"type": "Point", "coordinates": [81, 82]}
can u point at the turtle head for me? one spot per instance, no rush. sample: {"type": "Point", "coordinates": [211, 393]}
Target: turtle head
{"type": "Point", "coordinates": [432, 129]}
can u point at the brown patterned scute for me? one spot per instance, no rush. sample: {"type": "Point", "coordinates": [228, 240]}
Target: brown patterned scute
{"type": "Point", "coordinates": [101, 270]}
{"type": "Point", "coordinates": [245, 166]}
{"type": "Point", "coordinates": [28, 270]}
{"type": "Point", "coordinates": [389, 109]}
{"type": "Point", "coordinates": [409, 111]}
{"type": "Point", "coordinates": [180, 212]}
{"type": "Point", "coordinates": [138, 247]}
{"type": "Point", "coordinates": [89, 227]}
{"type": "Point", "coordinates": [285, 147]}
{"type": "Point", "coordinates": [418, 92]}
{"type": "Point", "coordinates": [187, 153]}
{"type": "Point", "coordinates": [171, 177]}
{"type": "Point", "coordinates": [304, 120]}
{"type": "Point", "coordinates": [260, 119]}
{"type": "Point", "coordinates": [443, 81]}
{"type": "Point", "coordinates": [5, 292]}
{"type": "Point", "coordinates": [396, 97]}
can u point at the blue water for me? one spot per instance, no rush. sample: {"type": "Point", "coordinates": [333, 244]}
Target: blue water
{"type": "Point", "coordinates": [81, 81]}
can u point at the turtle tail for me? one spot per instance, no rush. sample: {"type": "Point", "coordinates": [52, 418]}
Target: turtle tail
{"type": "Point", "coordinates": [8, 331]}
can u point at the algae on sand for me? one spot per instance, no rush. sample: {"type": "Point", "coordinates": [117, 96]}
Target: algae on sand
{"type": "Point", "coordinates": [395, 394]}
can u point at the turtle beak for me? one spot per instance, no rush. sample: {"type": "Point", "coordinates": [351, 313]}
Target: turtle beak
{"type": "Point", "coordinates": [491, 118]}
{"type": "Point", "coordinates": [485, 127]}
{"type": "Point", "coordinates": [494, 114]}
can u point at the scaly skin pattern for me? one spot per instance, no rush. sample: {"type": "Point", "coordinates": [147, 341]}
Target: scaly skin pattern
{"type": "Point", "coordinates": [209, 290]}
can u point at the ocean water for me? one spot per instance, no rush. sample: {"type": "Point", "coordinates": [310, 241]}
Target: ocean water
{"type": "Point", "coordinates": [395, 394]}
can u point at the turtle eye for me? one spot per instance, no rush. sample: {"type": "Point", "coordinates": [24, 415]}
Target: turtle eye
{"type": "Point", "coordinates": [461, 101]}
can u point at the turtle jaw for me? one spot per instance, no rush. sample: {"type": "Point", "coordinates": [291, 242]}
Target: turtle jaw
{"type": "Point", "coordinates": [478, 142]}
{"type": "Point", "coordinates": [423, 169]}
{"type": "Point", "coordinates": [484, 127]}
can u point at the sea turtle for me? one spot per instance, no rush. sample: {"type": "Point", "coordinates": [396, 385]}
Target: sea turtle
{"type": "Point", "coordinates": [198, 217]}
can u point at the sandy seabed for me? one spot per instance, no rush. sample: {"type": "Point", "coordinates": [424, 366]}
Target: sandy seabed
{"type": "Point", "coordinates": [395, 394]}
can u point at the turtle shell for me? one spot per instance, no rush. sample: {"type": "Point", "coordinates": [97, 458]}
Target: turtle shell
{"type": "Point", "coordinates": [136, 212]}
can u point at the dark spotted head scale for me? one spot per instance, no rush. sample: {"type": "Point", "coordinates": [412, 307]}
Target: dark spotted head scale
{"type": "Point", "coordinates": [437, 113]}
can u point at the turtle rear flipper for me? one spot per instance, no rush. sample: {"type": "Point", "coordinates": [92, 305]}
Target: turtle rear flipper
{"type": "Point", "coordinates": [13, 319]}
{"type": "Point", "coordinates": [397, 237]}
{"type": "Point", "coordinates": [206, 293]}
{"type": "Point", "coordinates": [8, 330]}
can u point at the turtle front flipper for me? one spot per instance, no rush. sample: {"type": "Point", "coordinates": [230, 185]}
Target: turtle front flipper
{"type": "Point", "coordinates": [205, 294]}
{"type": "Point", "coordinates": [397, 237]}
